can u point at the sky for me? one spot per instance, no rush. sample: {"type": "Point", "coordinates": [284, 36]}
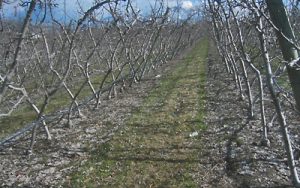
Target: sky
{"type": "Point", "coordinates": [72, 6]}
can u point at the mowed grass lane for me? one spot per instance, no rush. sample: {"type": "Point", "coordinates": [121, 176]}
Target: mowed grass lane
{"type": "Point", "coordinates": [159, 145]}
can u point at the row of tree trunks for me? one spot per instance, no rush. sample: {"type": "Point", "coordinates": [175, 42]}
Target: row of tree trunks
{"type": "Point", "coordinates": [244, 41]}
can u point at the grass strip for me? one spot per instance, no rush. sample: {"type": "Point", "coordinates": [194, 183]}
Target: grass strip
{"type": "Point", "coordinates": [159, 145]}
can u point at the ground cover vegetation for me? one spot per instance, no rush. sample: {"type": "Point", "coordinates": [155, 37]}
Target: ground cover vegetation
{"type": "Point", "coordinates": [159, 144]}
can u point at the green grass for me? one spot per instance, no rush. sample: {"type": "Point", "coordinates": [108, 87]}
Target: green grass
{"type": "Point", "coordinates": [154, 149]}
{"type": "Point", "coordinates": [25, 114]}
{"type": "Point", "coordinates": [14, 122]}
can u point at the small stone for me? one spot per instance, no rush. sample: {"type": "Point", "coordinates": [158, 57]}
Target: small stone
{"type": "Point", "coordinates": [194, 134]}
{"type": "Point", "coordinates": [90, 130]}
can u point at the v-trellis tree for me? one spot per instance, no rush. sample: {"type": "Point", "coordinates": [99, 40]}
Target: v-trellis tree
{"type": "Point", "coordinates": [246, 35]}
{"type": "Point", "coordinates": [52, 69]}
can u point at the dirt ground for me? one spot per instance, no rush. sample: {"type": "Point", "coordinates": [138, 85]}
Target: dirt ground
{"type": "Point", "coordinates": [229, 153]}
{"type": "Point", "coordinates": [237, 157]}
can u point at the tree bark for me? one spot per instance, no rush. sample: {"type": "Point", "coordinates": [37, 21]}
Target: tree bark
{"type": "Point", "coordinates": [286, 39]}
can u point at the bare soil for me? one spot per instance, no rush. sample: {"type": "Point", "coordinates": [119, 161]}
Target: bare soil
{"type": "Point", "coordinates": [233, 140]}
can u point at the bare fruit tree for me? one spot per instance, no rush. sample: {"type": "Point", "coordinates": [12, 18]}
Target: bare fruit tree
{"type": "Point", "coordinates": [52, 68]}
{"type": "Point", "coordinates": [245, 35]}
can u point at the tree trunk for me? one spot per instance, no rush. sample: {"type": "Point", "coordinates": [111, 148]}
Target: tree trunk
{"type": "Point", "coordinates": [294, 76]}
{"type": "Point", "coordinates": [286, 39]}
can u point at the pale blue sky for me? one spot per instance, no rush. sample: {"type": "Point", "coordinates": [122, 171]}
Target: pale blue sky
{"type": "Point", "coordinates": [72, 7]}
